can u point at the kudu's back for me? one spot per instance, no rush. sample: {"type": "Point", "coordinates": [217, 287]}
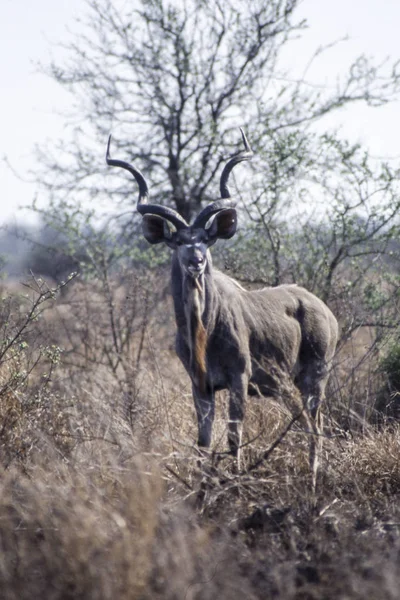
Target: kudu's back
{"type": "Point", "coordinates": [286, 324]}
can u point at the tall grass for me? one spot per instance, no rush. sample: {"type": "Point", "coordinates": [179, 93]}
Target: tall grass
{"type": "Point", "coordinates": [103, 494]}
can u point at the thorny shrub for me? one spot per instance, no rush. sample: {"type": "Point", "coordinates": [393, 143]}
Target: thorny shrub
{"type": "Point", "coordinates": [29, 407]}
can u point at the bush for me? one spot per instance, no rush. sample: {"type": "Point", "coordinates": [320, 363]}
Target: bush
{"type": "Point", "coordinates": [389, 397]}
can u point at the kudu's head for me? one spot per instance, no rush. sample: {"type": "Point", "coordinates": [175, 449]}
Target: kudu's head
{"type": "Point", "coordinates": [163, 224]}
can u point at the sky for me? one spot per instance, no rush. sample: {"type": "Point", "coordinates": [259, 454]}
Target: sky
{"type": "Point", "coordinates": [32, 104]}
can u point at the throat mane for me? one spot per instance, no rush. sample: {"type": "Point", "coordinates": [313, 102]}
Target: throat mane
{"type": "Point", "coordinates": [197, 335]}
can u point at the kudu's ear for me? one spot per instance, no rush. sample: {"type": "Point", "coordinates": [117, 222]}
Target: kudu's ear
{"type": "Point", "coordinates": [223, 226]}
{"type": "Point", "coordinates": [156, 230]}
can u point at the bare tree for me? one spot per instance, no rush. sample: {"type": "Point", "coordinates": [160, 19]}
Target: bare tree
{"type": "Point", "coordinates": [177, 79]}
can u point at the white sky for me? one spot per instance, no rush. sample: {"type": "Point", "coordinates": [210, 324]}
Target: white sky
{"type": "Point", "coordinates": [31, 103]}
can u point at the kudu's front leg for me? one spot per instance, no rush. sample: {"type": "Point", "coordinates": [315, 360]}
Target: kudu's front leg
{"type": "Point", "coordinates": [205, 409]}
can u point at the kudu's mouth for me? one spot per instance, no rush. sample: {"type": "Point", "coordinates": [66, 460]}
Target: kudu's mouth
{"type": "Point", "coordinates": [196, 270]}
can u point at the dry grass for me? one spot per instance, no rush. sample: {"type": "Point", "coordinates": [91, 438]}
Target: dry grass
{"type": "Point", "coordinates": [102, 495]}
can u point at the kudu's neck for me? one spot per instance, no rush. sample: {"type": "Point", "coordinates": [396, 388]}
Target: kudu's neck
{"type": "Point", "coordinates": [193, 299]}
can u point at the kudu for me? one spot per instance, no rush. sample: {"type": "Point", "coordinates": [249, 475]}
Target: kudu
{"type": "Point", "coordinates": [227, 337]}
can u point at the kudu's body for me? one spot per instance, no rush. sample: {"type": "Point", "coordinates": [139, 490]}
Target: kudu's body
{"type": "Point", "coordinates": [227, 337]}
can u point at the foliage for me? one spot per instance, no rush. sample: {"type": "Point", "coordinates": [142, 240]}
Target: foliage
{"type": "Point", "coordinates": [27, 354]}
{"type": "Point", "coordinates": [40, 249]}
{"type": "Point", "coordinates": [389, 369]}
{"type": "Point", "coordinates": [391, 366]}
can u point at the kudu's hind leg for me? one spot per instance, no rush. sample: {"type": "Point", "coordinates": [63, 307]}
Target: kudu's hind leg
{"type": "Point", "coordinates": [312, 383]}
{"type": "Point", "coordinates": [237, 397]}
{"type": "Point", "coordinates": [311, 425]}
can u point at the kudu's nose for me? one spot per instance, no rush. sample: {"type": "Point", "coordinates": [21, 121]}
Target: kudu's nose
{"type": "Point", "coordinates": [196, 261]}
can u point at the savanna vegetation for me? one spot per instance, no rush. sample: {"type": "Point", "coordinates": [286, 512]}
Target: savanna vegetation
{"type": "Point", "coordinates": [104, 494]}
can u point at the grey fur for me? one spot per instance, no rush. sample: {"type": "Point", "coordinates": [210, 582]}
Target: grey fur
{"type": "Point", "coordinates": [246, 332]}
